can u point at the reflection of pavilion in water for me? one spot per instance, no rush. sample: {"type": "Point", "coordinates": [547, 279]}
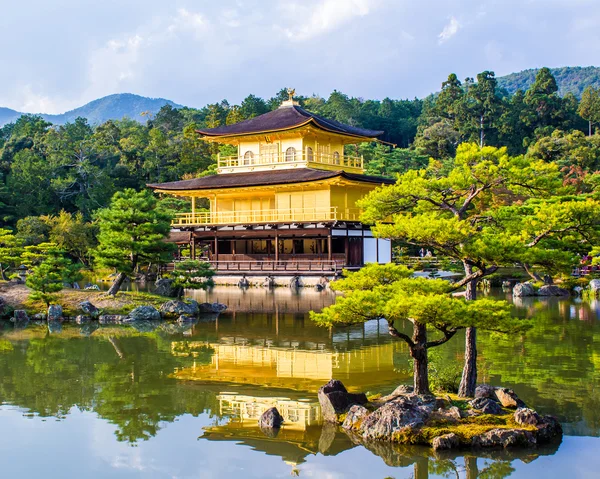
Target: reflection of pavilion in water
{"type": "Point", "coordinates": [264, 300]}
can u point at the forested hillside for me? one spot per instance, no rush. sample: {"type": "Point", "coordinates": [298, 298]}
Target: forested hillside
{"type": "Point", "coordinates": [49, 173]}
{"type": "Point", "coordinates": [569, 79]}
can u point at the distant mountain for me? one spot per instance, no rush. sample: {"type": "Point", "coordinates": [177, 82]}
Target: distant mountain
{"type": "Point", "coordinates": [7, 115]}
{"type": "Point", "coordinates": [112, 107]}
{"type": "Point", "coordinates": [569, 79]}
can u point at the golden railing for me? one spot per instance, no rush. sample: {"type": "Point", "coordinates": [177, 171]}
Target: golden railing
{"type": "Point", "coordinates": [291, 215]}
{"type": "Point", "coordinates": [290, 159]}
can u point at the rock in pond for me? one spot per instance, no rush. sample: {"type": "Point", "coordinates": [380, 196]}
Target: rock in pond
{"type": "Point", "coordinates": [144, 326]}
{"type": "Point", "coordinates": [447, 441]}
{"type": "Point", "coordinates": [486, 406]}
{"type": "Point", "coordinates": [553, 290]}
{"type": "Point", "coordinates": [523, 289]}
{"type": "Point", "coordinates": [87, 329]}
{"type": "Point", "coordinates": [578, 290]}
{"type": "Point", "coordinates": [88, 308]}
{"type": "Point", "coordinates": [508, 398]}
{"type": "Point", "coordinates": [19, 316]}
{"type": "Point", "coordinates": [270, 419]}
{"type": "Point", "coordinates": [55, 312]}
{"type": "Point", "coordinates": [144, 313]}
{"type": "Point", "coordinates": [111, 318]}
{"type": "Point", "coordinates": [526, 417]}
{"type": "Point", "coordinates": [177, 308]}
{"type": "Point", "coordinates": [548, 429]}
{"type": "Point", "coordinates": [393, 417]}
{"type": "Point", "coordinates": [164, 287]}
{"type": "Point", "coordinates": [335, 399]}
{"type": "Point", "coordinates": [211, 307]}
{"type": "Point", "coordinates": [504, 438]}
{"type": "Point", "coordinates": [355, 416]}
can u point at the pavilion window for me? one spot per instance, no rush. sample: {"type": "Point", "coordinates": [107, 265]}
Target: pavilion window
{"type": "Point", "coordinates": [309, 154]}
{"type": "Point", "coordinates": [290, 154]}
{"type": "Point", "coordinates": [336, 158]}
{"type": "Point", "coordinates": [248, 158]}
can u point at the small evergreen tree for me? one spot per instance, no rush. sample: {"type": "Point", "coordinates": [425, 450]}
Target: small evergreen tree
{"type": "Point", "coordinates": [10, 251]}
{"type": "Point", "coordinates": [49, 277]}
{"type": "Point", "coordinates": [192, 274]}
{"type": "Point", "coordinates": [132, 231]}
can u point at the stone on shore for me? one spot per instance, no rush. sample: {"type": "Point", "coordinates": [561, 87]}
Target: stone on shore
{"type": "Point", "coordinates": [447, 441]}
{"type": "Point", "coordinates": [82, 319]}
{"type": "Point", "coordinates": [504, 438]}
{"type": "Point", "coordinates": [164, 287]}
{"type": "Point", "coordinates": [523, 289]}
{"type": "Point", "coordinates": [548, 429]}
{"type": "Point", "coordinates": [595, 286]}
{"type": "Point", "coordinates": [144, 313]}
{"type": "Point", "coordinates": [335, 399]}
{"type": "Point", "coordinates": [397, 416]}
{"type": "Point", "coordinates": [356, 414]}
{"type": "Point", "coordinates": [552, 290]}
{"type": "Point", "coordinates": [486, 406]}
{"type": "Point", "coordinates": [526, 417]}
{"type": "Point", "coordinates": [20, 315]}
{"type": "Point", "coordinates": [177, 308]}
{"type": "Point", "coordinates": [89, 309]}
{"type": "Point", "coordinates": [485, 391]}
{"type": "Point", "coordinates": [55, 312]}
{"type": "Point", "coordinates": [508, 398]}
{"type": "Point", "coordinates": [270, 419]}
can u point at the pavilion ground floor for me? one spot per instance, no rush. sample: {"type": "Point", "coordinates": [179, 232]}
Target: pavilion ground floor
{"type": "Point", "coordinates": [283, 249]}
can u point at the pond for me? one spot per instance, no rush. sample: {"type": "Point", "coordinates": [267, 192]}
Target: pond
{"type": "Point", "coordinates": [182, 402]}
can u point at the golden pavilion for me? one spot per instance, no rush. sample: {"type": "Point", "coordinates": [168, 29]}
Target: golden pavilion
{"type": "Point", "coordinates": [286, 202]}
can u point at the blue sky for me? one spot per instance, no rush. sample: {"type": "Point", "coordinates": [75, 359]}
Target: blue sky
{"type": "Point", "coordinates": [60, 54]}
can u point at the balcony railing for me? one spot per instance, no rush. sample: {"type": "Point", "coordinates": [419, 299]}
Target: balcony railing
{"type": "Point", "coordinates": [291, 215]}
{"type": "Point", "coordinates": [289, 159]}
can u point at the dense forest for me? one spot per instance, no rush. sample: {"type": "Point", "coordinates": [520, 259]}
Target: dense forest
{"type": "Point", "coordinates": [76, 168]}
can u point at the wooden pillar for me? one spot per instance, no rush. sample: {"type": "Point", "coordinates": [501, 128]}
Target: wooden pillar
{"type": "Point", "coordinates": [276, 247]}
{"type": "Point", "coordinates": [233, 247]}
{"type": "Point", "coordinates": [346, 248]}
{"type": "Point", "coordinates": [193, 248]}
{"type": "Point", "coordinates": [329, 253]}
{"type": "Point", "coordinates": [193, 209]}
{"type": "Point", "coordinates": [216, 248]}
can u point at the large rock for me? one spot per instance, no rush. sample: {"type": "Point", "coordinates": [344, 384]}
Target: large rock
{"type": "Point", "coordinates": [402, 390]}
{"type": "Point", "coordinates": [355, 416]}
{"type": "Point", "coordinates": [523, 289]}
{"type": "Point", "coordinates": [486, 406]}
{"type": "Point", "coordinates": [508, 398]}
{"type": "Point", "coordinates": [504, 438]}
{"type": "Point", "coordinates": [394, 417]}
{"type": "Point", "coordinates": [89, 309]}
{"type": "Point", "coordinates": [144, 313]}
{"type": "Point", "coordinates": [177, 308]}
{"type": "Point", "coordinates": [485, 391]}
{"type": "Point", "coordinates": [548, 429]}
{"type": "Point", "coordinates": [111, 318]}
{"type": "Point", "coordinates": [335, 399]}
{"type": "Point", "coordinates": [19, 316]}
{"type": "Point", "coordinates": [526, 417]}
{"type": "Point", "coordinates": [55, 312]}
{"type": "Point", "coordinates": [447, 441]}
{"type": "Point", "coordinates": [164, 287]}
{"type": "Point", "coordinates": [211, 307]}
{"type": "Point", "coordinates": [553, 290]}
{"type": "Point", "coordinates": [270, 419]}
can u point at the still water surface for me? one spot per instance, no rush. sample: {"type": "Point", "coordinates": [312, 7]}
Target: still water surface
{"type": "Point", "coordinates": [179, 402]}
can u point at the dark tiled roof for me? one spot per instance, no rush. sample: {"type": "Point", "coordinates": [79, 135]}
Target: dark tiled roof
{"type": "Point", "coordinates": [285, 118]}
{"type": "Point", "coordinates": [264, 178]}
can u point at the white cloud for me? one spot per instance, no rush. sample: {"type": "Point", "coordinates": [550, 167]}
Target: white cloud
{"type": "Point", "coordinates": [451, 29]}
{"type": "Point", "coordinates": [324, 16]}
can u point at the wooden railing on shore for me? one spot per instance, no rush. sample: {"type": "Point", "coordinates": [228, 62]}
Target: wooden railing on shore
{"type": "Point", "coordinates": [293, 266]}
